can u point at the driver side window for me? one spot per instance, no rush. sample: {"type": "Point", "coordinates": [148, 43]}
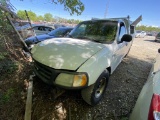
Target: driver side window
{"type": "Point", "coordinates": [80, 30]}
{"type": "Point", "coordinates": [122, 31]}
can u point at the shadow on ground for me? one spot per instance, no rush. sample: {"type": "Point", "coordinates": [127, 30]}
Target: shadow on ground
{"type": "Point", "coordinates": [123, 89]}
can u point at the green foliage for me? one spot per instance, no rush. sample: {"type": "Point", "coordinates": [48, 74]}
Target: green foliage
{"type": "Point", "coordinates": [23, 16]}
{"type": "Point", "coordinates": [40, 17]}
{"type": "Point", "coordinates": [124, 118]}
{"type": "Point", "coordinates": [4, 24]}
{"type": "Point", "coordinates": [72, 6]}
{"type": "Point", "coordinates": [3, 2]}
{"type": "Point", "coordinates": [13, 67]}
{"type": "Point", "coordinates": [7, 49]}
{"type": "Point", "coordinates": [77, 21]}
{"type": "Point", "coordinates": [8, 66]}
{"type": "Point", "coordinates": [147, 28]}
{"type": "Point", "coordinates": [6, 3]}
{"type": "Point", "coordinates": [48, 17]}
{"type": "Point", "coordinates": [3, 55]}
{"type": "Point", "coordinates": [32, 15]}
{"type": "Point", "coordinates": [6, 97]}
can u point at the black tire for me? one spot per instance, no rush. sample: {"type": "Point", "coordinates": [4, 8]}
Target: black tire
{"type": "Point", "coordinates": [94, 93]}
{"type": "Point", "coordinates": [155, 40]}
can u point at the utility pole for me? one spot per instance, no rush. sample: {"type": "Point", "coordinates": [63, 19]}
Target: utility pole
{"type": "Point", "coordinates": [106, 11]}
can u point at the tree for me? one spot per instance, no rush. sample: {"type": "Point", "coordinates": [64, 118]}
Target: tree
{"type": "Point", "coordinates": [9, 45]}
{"type": "Point", "coordinates": [7, 5]}
{"type": "Point", "coordinates": [5, 9]}
{"type": "Point", "coordinates": [48, 17]}
{"type": "Point", "coordinates": [77, 21]}
{"type": "Point", "coordinates": [72, 6]}
{"type": "Point", "coordinates": [32, 15]}
{"type": "Point", "coordinates": [40, 17]}
{"type": "Point", "coordinates": [147, 28]}
{"type": "Point", "coordinates": [23, 16]}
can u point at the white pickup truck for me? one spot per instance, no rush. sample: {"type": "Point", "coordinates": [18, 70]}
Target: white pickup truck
{"type": "Point", "coordinates": [86, 58]}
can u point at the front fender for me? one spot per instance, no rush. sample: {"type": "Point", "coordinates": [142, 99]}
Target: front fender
{"type": "Point", "coordinates": [96, 65]}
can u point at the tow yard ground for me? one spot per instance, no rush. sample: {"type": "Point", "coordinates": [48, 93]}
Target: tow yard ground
{"type": "Point", "coordinates": [123, 89]}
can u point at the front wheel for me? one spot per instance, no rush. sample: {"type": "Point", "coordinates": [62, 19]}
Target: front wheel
{"type": "Point", "coordinates": [93, 94]}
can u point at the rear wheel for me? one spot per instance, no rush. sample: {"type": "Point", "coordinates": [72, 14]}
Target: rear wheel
{"type": "Point", "coordinates": [93, 94]}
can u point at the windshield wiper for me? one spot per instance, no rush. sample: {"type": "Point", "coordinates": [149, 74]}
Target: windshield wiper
{"type": "Point", "coordinates": [98, 41]}
{"type": "Point", "coordinates": [91, 39]}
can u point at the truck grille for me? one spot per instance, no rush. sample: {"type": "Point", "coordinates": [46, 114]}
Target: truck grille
{"type": "Point", "coordinates": [47, 74]}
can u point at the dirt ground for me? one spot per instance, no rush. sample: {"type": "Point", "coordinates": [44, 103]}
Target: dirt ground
{"type": "Point", "coordinates": [123, 89]}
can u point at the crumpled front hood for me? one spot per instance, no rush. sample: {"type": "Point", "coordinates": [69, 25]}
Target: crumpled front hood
{"type": "Point", "coordinates": [65, 53]}
{"type": "Point", "coordinates": [38, 38]}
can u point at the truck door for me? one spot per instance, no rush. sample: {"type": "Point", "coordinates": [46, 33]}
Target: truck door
{"type": "Point", "coordinates": [120, 48]}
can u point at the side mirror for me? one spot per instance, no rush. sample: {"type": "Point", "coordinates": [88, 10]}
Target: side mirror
{"type": "Point", "coordinates": [159, 50]}
{"type": "Point", "coordinates": [126, 38]}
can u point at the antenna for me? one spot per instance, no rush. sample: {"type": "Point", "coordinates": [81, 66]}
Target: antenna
{"type": "Point", "coordinates": [106, 11]}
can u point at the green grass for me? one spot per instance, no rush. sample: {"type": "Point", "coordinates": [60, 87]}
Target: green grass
{"type": "Point", "coordinates": [124, 118]}
{"type": "Point", "coordinates": [3, 55]}
{"type": "Point", "coordinates": [6, 97]}
{"type": "Point", "coordinates": [7, 67]}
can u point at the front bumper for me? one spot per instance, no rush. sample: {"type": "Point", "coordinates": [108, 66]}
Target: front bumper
{"type": "Point", "coordinates": [49, 75]}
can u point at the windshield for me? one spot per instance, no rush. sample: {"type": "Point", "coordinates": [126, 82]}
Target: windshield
{"type": "Point", "coordinates": [98, 31]}
{"type": "Point", "coordinates": [58, 32]}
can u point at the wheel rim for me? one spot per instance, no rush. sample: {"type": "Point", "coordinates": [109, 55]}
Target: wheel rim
{"type": "Point", "coordinates": [100, 88]}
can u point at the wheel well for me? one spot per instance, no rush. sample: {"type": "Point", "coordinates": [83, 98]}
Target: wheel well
{"type": "Point", "coordinates": [109, 70]}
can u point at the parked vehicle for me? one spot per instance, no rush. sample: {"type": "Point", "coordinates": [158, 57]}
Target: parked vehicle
{"type": "Point", "coordinates": [157, 38]}
{"type": "Point", "coordinates": [85, 59]}
{"type": "Point", "coordinates": [41, 29]}
{"type": "Point", "coordinates": [148, 104]}
{"type": "Point", "coordinates": [58, 25]}
{"type": "Point", "coordinates": [59, 32]}
{"type": "Point", "coordinates": [140, 34]}
{"type": "Point", "coordinates": [26, 30]}
{"type": "Point", "coordinates": [149, 34]}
